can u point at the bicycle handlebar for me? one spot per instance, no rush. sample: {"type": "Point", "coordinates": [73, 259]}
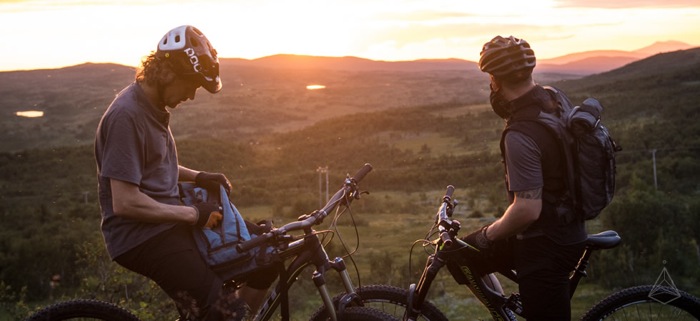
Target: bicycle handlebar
{"type": "Point", "coordinates": [450, 191]}
{"type": "Point", "coordinates": [349, 185]}
{"type": "Point", "coordinates": [444, 222]}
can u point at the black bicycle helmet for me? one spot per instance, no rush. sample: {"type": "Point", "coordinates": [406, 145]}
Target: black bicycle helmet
{"type": "Point", "coordinates": [507, 57]}
{"type": "Point", "coordinates": [192, 55]}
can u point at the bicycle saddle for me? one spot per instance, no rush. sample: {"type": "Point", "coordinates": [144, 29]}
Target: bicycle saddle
{"type": "Point", "coordinates": [603, 240]}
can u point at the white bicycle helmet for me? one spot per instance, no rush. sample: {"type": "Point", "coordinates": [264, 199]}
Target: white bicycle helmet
{"type": "Point", "coordinates": [192, 55]}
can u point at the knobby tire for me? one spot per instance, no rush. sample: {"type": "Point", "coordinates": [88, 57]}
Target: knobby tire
{"type": "Point", "coordinates": [646, 302]}
{"type": "Point", "coordinates": [83, 310]}
{"type": "Point", "coordinates": [364, 314]}
{"type": "Point", "coordinates": [388, 299]}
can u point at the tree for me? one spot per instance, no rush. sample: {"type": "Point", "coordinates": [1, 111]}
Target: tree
{"type": "Point", "coordinates": [656, 233]}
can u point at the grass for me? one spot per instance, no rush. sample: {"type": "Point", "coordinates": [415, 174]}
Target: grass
{"type": "Point", "coordinates": [424, 142]}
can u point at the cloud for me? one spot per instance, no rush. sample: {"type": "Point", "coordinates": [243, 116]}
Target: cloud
{"type": "Point", "coordinates": [627, 4]}
{"type": "Point", "coordinates": [422, 16]}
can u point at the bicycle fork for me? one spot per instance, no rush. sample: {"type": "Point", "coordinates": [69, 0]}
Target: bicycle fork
{"type": "Point", "coordinates": [338, 264]}
{"type": "Point", "coordinates": [417, 293]}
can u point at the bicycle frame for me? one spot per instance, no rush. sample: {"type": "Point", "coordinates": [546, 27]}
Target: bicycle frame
{"type": "Point", "coordinates": [485, 287]}
{"type": "Point", "coordinates": [454, 253]}
{"type": "Point", "coordinates": [307, 251]}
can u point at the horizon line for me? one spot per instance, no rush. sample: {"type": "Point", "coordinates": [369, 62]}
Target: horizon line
{"type": "Point", "coordinates": [376, 60]}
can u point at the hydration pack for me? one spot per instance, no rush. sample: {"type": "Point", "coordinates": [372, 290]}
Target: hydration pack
{"type": "Point", "coordinates": [588, 149]}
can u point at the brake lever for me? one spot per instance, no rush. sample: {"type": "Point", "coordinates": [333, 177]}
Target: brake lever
{"type": "Point", "coordinates": [356, 194]}
{"type": "Point", "coordinates": [451, 208]}
{"type": "Point", "coordinates": [307, 216]}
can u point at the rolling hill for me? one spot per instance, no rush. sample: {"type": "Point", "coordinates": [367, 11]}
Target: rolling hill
{"type": "Point", "coordinates": [420, 129]}
{"type": "Point", "coordinates": [262, 96]}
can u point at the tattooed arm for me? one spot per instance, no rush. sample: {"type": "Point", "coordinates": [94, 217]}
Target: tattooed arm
{"type": "Point", "coordinates": [524, 210]}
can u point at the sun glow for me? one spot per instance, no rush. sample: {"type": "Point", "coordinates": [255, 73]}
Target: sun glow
{"type": "Point", "coordinates": [390, 30]}
{"type": "Point", "coordinates": [315, 87]}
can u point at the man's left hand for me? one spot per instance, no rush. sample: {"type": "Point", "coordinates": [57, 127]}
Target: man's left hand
{"type": "Point", "coordinates": [478, 240]}
{"type": "Point", "coordinates": [212, 181]}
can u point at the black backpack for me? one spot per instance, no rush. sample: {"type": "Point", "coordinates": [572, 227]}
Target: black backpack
{"type": "Point", "coordinates": [588, 149]}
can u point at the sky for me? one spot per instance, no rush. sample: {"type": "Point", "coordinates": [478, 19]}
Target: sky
{"type": "Point", "coordinates": [38, 34]}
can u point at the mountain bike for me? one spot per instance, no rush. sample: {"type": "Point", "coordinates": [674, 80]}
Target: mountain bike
{"type": "Point", "coordinates": [292, 253]}
{"type": "Point", "coordinates": [647, 302]}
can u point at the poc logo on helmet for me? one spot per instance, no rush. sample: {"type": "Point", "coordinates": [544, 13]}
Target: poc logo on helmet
{"type": "Point", "coordinates": [194, 60]}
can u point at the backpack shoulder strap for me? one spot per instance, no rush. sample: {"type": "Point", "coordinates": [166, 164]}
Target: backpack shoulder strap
{"type": "Point", "coordinates": [541, 129]}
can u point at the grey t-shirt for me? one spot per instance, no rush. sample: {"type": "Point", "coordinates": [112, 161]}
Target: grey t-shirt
{"type": "Point", "coordinates": [523, 162]}
{"type": "Point", "coordinates": [134, 144]}
{"type": "Point", "coordinates": [523, 159]}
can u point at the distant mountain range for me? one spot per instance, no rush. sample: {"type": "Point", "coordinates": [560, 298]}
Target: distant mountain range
{"type": "Point", "coordinates": [576, 64]}
{"type": "Point", "coordinates": [597, 61]}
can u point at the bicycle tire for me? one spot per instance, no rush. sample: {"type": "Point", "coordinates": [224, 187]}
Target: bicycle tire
{"type": "Point", "coordinates": [83, 310]}
{"type": "Point", "coordinates": [646, 302]}
{"type": "Point", "coordinates": [388, 299]}
{"type": "Point", "coordinates": [364, 314]}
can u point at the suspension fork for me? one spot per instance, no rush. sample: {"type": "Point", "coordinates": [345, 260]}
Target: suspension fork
{"type": "Point", "coordinates": [323, 264]}
{"type": "Point", "coordinates": [348, 299]}
{"type": "Point", "coordinates": [320, 282]}
{"type": "Point", "coordinates": [417, 293]}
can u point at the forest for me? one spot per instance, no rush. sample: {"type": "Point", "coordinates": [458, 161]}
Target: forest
{"type": "Point", "coordinates": [51, 217]}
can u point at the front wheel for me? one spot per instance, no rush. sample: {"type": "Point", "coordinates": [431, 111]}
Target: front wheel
{"type": "Point", "coordinates": [365, 314]}
{"type": "Point", "coordinates": [388, 299]}
{"type": "Point", "coordinates": [646, 302]}
{"type": "Point", "coordinates": [77, 310]}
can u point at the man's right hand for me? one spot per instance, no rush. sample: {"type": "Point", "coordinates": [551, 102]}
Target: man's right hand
{"type": "Point", "coordinates": [209, 214]}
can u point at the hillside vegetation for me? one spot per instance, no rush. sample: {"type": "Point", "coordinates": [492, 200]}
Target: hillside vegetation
{"type": "Point", "coordinates": [421, 131]}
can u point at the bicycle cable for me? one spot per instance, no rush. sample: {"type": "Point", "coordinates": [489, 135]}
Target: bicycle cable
{"type": "Point", "coordinates": [426, 242]}
{"type": "Point", "coordinates": [349, 255]}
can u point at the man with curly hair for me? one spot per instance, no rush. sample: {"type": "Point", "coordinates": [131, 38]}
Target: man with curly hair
{"type": "Point", "coordinates": [145, 227]}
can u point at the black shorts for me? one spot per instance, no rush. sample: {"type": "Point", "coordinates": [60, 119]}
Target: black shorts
{"type": "Point", "coordinates": [171, 259]}
{"type": "Point", "coordinates": [543, 277]}
{"type": "Point", "coordinates": [543, 269]}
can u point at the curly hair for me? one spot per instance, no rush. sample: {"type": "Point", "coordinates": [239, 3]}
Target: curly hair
{"type": "Point", "coordinates": [153, 70]}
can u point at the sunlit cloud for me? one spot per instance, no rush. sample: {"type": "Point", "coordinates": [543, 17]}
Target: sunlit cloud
{"type": "Point", "coordinates": [73, 31]}
{"type": "Point", "coordinates": [624, 4]}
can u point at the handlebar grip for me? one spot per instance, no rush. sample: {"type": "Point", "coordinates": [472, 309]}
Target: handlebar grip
{"type": "Point", "coordinates": [450, 191]}
{"type": "Point", "coordinates": [362, 172]}
{"type": "Point", "coordinates": [254, 242]}
{"type": "Point", "coordinates": [446, 239]}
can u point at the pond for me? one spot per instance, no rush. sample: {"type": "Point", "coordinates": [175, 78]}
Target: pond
{"type": "Point", "coordinates": [30, 113]}
{"type": "Point", "coordinates": [315, 87]}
